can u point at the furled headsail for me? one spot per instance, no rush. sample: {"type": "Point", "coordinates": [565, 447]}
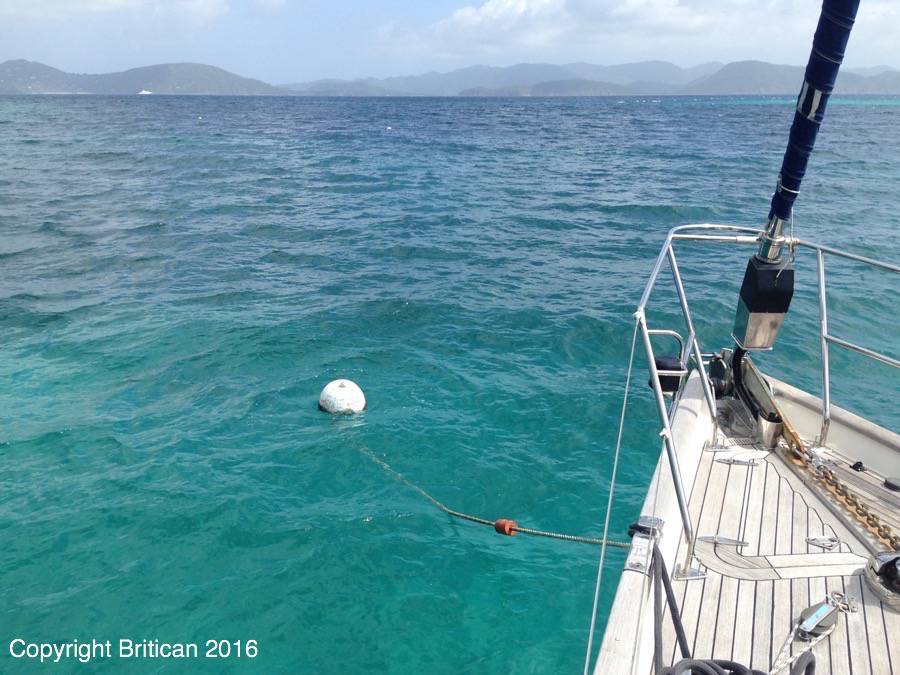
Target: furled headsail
{"type": "Point", "coordinates": [769, 281]}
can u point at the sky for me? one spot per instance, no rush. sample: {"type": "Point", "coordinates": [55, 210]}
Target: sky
{"type": "Point", "coordinates": [287, 41]}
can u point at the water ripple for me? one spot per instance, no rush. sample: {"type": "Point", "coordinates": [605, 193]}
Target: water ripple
{"type": "Point", "coordinates": [177, 290]}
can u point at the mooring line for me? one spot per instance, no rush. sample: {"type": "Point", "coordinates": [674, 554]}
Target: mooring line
{"type": "Point", "coordinates": [504, 526]}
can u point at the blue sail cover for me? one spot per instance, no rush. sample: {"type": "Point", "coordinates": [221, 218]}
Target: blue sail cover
{"type": "Point", "coordinates": [825, 59]}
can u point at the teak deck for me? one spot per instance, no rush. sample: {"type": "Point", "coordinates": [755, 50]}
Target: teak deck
{"type": "Point", "coordinates": [746, 606]}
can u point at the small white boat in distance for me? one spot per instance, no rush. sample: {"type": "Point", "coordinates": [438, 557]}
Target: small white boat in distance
{"type": "Point", "coordinates": [144, 92]}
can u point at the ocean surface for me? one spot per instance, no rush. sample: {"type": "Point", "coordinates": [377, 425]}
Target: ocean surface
{"type": "Point", "coordinates": [179, 278]}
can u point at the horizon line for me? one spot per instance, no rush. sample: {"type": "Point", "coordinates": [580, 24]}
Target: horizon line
{"type": "Point", "coordinates": [439, 72]}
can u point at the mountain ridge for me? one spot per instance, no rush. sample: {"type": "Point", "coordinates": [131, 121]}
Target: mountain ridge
{"type": "Point", "coordinates": [30, 77]}
{"type": "Point", "coordinates": [657, 78]}
{"type": "Point", "coordinates": [643, 78]}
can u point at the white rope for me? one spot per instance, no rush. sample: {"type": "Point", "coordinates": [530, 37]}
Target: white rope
{"type": "Point", "coordinates": [609, 502]}
{"type": "Point", "coordinates": [785, 660]}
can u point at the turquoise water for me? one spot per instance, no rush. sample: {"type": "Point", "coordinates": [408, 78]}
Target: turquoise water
{"type": "Point", "coordinates": [181, 276]}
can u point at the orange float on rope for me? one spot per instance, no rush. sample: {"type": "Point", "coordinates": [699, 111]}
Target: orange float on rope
{"type": "Point", "coordinates": [506, 526]}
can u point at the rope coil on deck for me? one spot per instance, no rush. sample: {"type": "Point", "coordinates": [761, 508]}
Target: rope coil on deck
{"type": "Point", "coordinates": [801, 663]}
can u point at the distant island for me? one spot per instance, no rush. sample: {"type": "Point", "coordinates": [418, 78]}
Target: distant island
{"type": "Point", "coordinates": [29, 77]}
{"type": "Point", "coordinates": [646, 78]}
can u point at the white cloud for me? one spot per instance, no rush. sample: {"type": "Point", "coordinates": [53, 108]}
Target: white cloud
{"type": "Point", "coordinates": [496, 26]}
{"type": "Point", "coordinates": [199, 9]}
{"type": "Point", "coordinates": [55, 8]}
{"type": "Point", "coordinates": [523, 22]}
{"type": "Point", "coordinates": [202, 10]}
{"type": "Point", "coordinates": [685, 31]}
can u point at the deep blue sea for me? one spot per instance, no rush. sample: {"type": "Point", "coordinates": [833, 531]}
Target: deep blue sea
{"type": "Point", "coordinates": [179, 278]}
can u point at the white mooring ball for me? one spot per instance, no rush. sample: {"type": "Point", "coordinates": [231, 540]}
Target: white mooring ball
{"type": "Point", "coordinates": [342, 396]}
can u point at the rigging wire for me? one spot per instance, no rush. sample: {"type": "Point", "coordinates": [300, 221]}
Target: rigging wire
{"type": "Point", "coordinates": [609, 501]}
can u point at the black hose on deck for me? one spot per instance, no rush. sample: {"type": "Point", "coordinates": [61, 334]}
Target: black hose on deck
{"type": "Point", "coordinates": [661, 581]}
{"type": "Point", "coordinates": [805, 665]}
{"type": "Point", "coordinates": [710, 667]}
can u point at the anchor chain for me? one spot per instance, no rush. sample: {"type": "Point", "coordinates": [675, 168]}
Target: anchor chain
{"type": "Point", "coordinates": [852, 501]}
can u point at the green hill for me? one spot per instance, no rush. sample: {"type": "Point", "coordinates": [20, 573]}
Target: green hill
{"type": "Point", "coordinates": [28, 77]}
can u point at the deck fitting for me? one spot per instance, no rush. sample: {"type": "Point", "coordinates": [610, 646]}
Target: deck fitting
{"type": "Point", "coordinates": [722, 541]}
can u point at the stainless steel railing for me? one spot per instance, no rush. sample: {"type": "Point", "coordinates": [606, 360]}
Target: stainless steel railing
{"type": "Point", "coordinates": [689, 347]}
{"type": "Point", "coordinates": [826, 338]}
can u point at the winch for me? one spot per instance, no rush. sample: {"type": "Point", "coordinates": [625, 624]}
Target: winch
{"type": "Point", "coordinates": [883, 576]}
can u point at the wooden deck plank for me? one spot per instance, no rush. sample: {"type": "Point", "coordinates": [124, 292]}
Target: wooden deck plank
{"type": "Point", "coordinates": [742, 647]}
{"type": "Point", "coordinates": [731, 615]}
{"type": "Point", "coordinates": [875, 629]}
{"type": "Point", "coordinates": [818, 589]}
{"type": "Point", "coordinates": [761, 656]}
{"type": "Point", "coordinates": [891, 620]}
{"type": "Point", "coordinates": [756, 510]}
{"type": "Point", "coordinates": [857, 630]}
{"type": "Point", "coordinates": [680, 588]}
{"type": "Point", "coordinates": [702, 596]}
{"type": "Point", "coordinates": [782, 619]}
{"type": "Point", "coordinates": [707, 617]}
{"type": "Point", "coordinates": [747, 604]}
{"type": "Point", "coordinates": [730, 526]}
{"type": "Point", "coordinates": [711, 522]}
{"type": "Point", "coordinates": [765, 591]}
{"type": "Point", "coordinates": [799, 586]}
{"type": "Point", "coordinates": [790, 561]}
{"type": "Point", "coordinates": [840, 652]}
{"type": "Point", "coordinates": [770, 494]}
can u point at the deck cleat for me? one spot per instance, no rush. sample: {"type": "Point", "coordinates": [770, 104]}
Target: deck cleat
{"type": "Point", "coordinates": [827, 543]}
{"type": "Point", "coordinates": [737, 461]}
{"type": "Point", "coordinates": [716, 540]}
{"type": "Point", "coordinates": [644, 535]}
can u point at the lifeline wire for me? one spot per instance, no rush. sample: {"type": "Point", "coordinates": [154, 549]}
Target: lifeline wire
{"type": "Point", "coordinates": [609, 502]}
